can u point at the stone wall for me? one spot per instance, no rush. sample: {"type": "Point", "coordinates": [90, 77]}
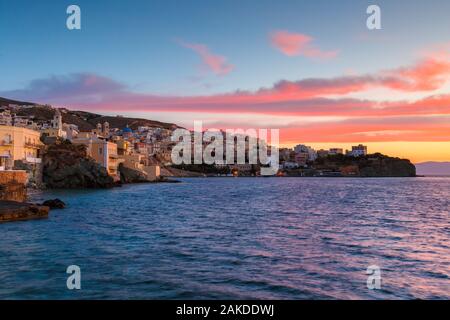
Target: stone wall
{"type": "Point", "coordinates": [19, 176]}
{"type": "Point", "coordinates": [34, 172]}
{"type": "Point", "coordinates": [13, 185]}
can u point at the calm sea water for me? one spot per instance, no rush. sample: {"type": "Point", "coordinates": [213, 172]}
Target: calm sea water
{"type": "Point", "coordinates": [244, 238]}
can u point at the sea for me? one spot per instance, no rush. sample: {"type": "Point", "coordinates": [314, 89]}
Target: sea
{"type": "Point", "coordinates": [237, 238]}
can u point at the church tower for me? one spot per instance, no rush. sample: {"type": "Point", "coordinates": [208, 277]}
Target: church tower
{"type": "Point", "coordinates": [106, 129]}
{"type": "Point", "coordinates": [57, 120]}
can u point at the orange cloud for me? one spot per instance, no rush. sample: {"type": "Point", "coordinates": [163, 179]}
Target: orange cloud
{"type": "Point", "coordinates": [430, 74]}
{"type": "Point", "coordinates": [295, 44]}
{"type": "Point", "coordinates": [216, 63]}
{"type": "Point", "coordinates": [375, 129]}
{"type": "Point", "coordinates": [334, 116]}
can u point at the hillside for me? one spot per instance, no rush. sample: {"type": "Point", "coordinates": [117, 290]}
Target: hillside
{"type": "Point", "coordinates": [84, 120]}
{"type": "Point", "coordinates": [6, 102]}
{"type": "Point", "coordinates": [433, 168]}
{"type": "Point", "coordinates": [372, 165]}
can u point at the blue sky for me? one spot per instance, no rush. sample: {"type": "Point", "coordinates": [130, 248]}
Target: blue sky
{"type": "Point", "coordinates": [135, 42]}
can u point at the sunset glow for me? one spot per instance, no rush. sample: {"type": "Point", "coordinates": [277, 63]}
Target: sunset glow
{"type": "Point", "coordinates": [395, 105]}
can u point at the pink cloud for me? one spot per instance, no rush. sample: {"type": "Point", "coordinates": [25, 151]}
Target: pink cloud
{"type": "Point", "coordinates": [377, 121]}
{"type": "Point", "coordinates": [296, 44]}
{"type": "Point", "coordinates": [302, 97]}
{"type": "Point", "coordinates": [216, 63]}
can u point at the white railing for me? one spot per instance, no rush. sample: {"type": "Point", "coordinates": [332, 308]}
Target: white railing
{"type": "Point", "coordinates": [33, 160]}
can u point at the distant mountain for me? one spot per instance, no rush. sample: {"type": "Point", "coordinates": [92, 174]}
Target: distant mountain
{"type": "Point", "coordinates": [433, 168]}
{"type": "Point", "coordinates": [84, 120]}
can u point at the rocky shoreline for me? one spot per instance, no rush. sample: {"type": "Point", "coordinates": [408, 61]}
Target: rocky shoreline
{"type": "Point", "coordinates": [17, 211]}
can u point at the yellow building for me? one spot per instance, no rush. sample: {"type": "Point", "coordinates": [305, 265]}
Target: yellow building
{"type": "Point", "coordinates": [102, 151]}
{"type": "Point", "coordinates": [123, 147]}
{"type": "Point", "coordinates": [18, 143]}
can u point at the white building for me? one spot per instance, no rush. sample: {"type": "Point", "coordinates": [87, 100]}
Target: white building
{"type": "Point", "coordinates": [358, 151]}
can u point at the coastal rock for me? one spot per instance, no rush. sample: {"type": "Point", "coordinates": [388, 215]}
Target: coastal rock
{"type": "Point", "coordinates": [66, 166]}
{"type": "Point", "coordinates": [175, 172]}
{"type": "Point", "coordinates": [373, 165]}
{"type": "Point", "coordinates": [128, 175]}
{"type": "Point", "coordinates": [16, 211]}
{"type": "Point", "coordinates": [54, 204]}
{"type": "Point", "coordinates": [387, 167]}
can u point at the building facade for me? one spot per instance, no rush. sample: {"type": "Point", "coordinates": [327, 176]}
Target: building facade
{"type": "Point", "coordinates": [18, 143]}
{"type": "Point", "coordinates": [358, 151]}
{"type": "Point", "coordinates": [102, 151]}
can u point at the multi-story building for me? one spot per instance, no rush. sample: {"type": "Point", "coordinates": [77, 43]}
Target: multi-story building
{"type": "Point", "coordinates": [123, 147]}
{"type": "Point", "coordinates": [102, 151]}
{"type": "Point", "coordinates": [322, 153]}
{"type": "Point", "coordinates": [6, 118]}
{"type": "Point", "coordinates": [312, 154]}
{"type": "Point", "coordinates": [285, 154]}
{"type": "Point", "coordinates": [335, 151]}
{"type": "Point", "coordinates": [18, 143]}
{"type": "Point", "coordinates": [141, 147]}
{"type": "Point", "coordinates": [301, 158]}
{"type": "Point", "coordinates": [358, 151]}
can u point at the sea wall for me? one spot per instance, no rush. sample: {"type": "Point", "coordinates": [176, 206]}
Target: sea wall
{"type": "Point", "coordinates": [13, 185]}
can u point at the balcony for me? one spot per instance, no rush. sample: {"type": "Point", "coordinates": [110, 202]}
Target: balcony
{"type": "Point", "coordinates": [6, 143]}
{"type": "Point", "coordinates": [32, 145]}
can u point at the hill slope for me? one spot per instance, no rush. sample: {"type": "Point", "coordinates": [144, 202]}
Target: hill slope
{"type": "Point", "coordinates": [433, 168]}
{"type": "Point", "coordinates": [84, 120]}
{"type": "Point", "coordinates": [6, 102]}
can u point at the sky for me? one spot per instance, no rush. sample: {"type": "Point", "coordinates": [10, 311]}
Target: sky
{"type": "Point", "coordinates": [309, 68]}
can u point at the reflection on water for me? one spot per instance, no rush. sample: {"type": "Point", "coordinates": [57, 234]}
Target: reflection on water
{"type": "Point", "coordinates": [280, 238]}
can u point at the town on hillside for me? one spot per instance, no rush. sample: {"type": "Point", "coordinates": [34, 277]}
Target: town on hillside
{"type": "Point", "coordinates": [147, 150]}
{"type": "Point", "coordinates": [23, 140]}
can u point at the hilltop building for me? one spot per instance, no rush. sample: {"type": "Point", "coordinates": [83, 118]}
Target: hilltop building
{"type": "Point", "coordinates": [55, 130]}
{"type": "Point", "coordinates": [358, 151]}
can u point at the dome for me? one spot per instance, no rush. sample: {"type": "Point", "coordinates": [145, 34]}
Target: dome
{"type": "Point", "coordinates": [127, 130]}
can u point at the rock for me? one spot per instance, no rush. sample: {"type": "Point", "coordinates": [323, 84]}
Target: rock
{"type": "Point", "coordinates": [128, 175]}
{"type": "Point", "coordinates": [372, 165]}
{"type": "Point", "coordinates": [54, 204]}
{"type": "Point", "coordinates": [66, 166]}
{"type": "Point", "coordinates": [388, 167]}
{"type": "Point", "coordinates": [16, 211]}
